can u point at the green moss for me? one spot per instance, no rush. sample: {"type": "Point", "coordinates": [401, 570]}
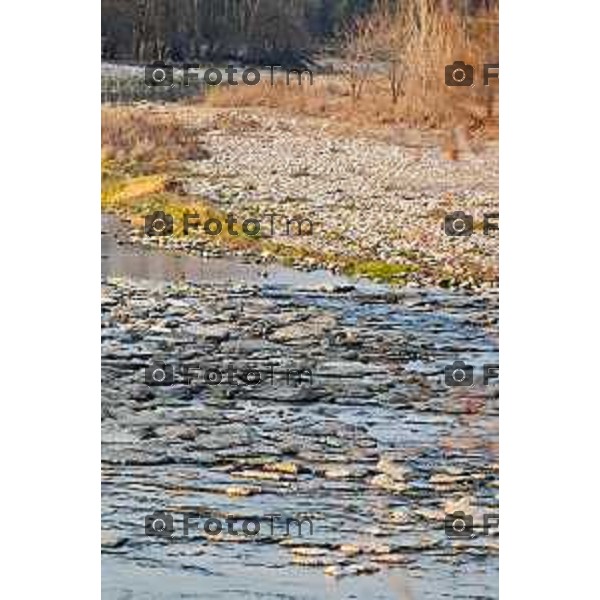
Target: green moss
{"type": "Point", "coordinates": [380, 270]}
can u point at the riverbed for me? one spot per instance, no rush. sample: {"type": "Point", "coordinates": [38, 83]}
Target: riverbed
{"type": "Point", "coordinates": [373, 451]}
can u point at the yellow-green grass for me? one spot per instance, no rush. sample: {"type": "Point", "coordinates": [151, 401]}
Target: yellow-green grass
{"type": "Point", "coordinates": [136, 197]}
{"type": "Point", "coordinates": [380, 270]}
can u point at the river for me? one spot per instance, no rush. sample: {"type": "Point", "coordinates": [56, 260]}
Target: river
{"type": "Point", "coordinates": [373, 451]}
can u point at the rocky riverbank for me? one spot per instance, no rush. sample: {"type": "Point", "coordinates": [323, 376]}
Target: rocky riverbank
{"type": "Point", "coordinates": [378, 204]}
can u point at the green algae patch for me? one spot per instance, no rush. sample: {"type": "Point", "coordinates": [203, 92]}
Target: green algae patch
{"type": "Point", "coordinates": [381, 271]}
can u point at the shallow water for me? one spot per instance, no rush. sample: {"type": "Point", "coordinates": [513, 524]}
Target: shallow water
{"type": "Point", "coordinates": [122, 259]}
{"type": "Point", "coordinates": [372, 452]}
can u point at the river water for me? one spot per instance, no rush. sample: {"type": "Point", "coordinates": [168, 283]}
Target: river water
{"type": "Point", "coordinates": [373, 452]}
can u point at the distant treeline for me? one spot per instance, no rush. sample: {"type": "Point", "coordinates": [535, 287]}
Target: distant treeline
{"type": "Point", "coordinates": [253, 31]}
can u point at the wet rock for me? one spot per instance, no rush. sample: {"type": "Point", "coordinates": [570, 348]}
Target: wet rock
{"type": "Point", "coordinates": [214, 333]}
{"type": "Point", "coordinates": [333, 571]}
{"type": "Point", "coordinates": [393, 559]}
{"type": "Point", "coordinates": [243, 490]}
{"type": "Point", "coordinates": [350, 549]}
{"type": "Point", "coordinates": [387, 483]}
{"type": "Point", "coordinates": [112, 540]}
{"type": "Point", "coordinates": [309, 551]}
{"type": "Point", "coordinates": [377, 446]}
{"type": "Point", "coordinates": [148, 433]}
{"type": "Point", "coordinates": [285, 467]}
{"type": "Point", "coordinates": [400, 517]}
{"type": "Point", "coordinates": [337, 473]}
{"type": "Point", "coordinates": [141, 392]}
{"type": "Point", "coordinates": [392, 469]}
{"type": "Point", "coordinates": [310, 561]}
{"type": "Point", "coordinates": [264, 475]}
{"type": "Point", "coordinates": [350, 570]}
{"type": "Point", "coordinates": [182, 432]}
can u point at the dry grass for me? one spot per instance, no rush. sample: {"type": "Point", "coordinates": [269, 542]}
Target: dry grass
{"type": "Point", "coordinates": [147, 140]}
{"type": "Point", "coordinates": [144, 150]}
{"type": "Point", "coordinates": [411, 45]}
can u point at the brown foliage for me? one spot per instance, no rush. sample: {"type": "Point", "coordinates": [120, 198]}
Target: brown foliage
{"type": "Point", "coordinates": [147, 139]}
{"type": "Point", "coordinates": [393, 71]}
